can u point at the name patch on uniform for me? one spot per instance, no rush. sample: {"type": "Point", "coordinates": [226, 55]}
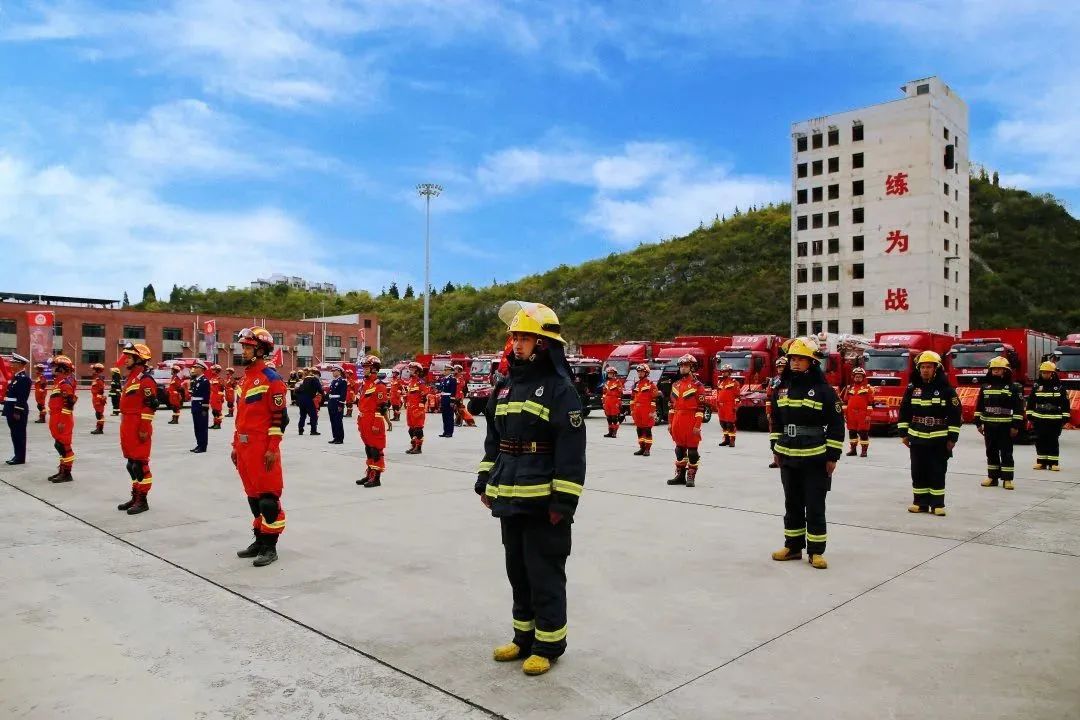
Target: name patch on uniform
{"type": "Point", "coordinates": [917, 392]}
{"type": "Point", "coordinates": [575, 418]}
{"type": "Point", "coordinates": [505, 392]}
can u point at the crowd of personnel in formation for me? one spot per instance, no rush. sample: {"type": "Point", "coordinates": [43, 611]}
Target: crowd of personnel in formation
{"type": "Point", "coordinates": [533, 469]}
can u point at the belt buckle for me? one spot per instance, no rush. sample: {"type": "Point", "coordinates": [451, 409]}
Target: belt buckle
{"type": "Point", "coordinates": [532, 447]}
{"type": "Point", "coordinates": [790, 430]}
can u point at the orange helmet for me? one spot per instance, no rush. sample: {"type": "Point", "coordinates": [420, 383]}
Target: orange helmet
{"type": "Point", "coordinates": [611, 371]}
{"type": "Point", "coordinates": [231, 371]}
{"type": "Point", "coordinates": [140, 352]}
{"type": "Point", "coordinates": [97, 366]}
{"type": "Point", "coordinates": [373, 361]}
{"type": "Point", "coordinates": [416, 365]}
{"type": "Point", "coordinates": [176, 368]}
{"type": "Point", "coordinates": [688, 359]}
{"type": "Point", "coordinates": [63, 361]}
{"type": "Point", "coordinates": [257, 337]}
{"type": "Point", "coordinates": [858, 371]}
{"type": "Point", "coordinates": [641, 367]}
{"type": "Point", "coordinates": [216, 368]}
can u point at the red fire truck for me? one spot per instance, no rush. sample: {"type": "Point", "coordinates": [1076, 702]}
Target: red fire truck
{"type": "Point", "coordinates": [889, 364]}
{"type": "Point", "coordinates": [1067, 358]}
{"type": "Point", "coordinates": [1023, 348]}
{"type": "Point", "coordinates": [753, 362]}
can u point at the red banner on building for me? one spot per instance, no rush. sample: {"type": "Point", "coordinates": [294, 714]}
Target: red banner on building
{"type": "Point", "coordinates": [210, 337]}
{"type": "Point", "coordinates": [278, 358]}
{"type": "Point", "coordinates": [41, 324]}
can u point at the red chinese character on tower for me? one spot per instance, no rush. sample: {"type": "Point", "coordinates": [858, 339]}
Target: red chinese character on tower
{"type": "Point", "coordinates": [897, 299]}
{"type": "Point", "coordinates": [897, 241]}
{"type": "Point", "coordinates": [896, 184]}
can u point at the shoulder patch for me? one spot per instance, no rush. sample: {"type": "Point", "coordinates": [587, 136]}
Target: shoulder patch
{"type": "Point", "coordinates": [148, 392]}
{"type": "Point", "coordinates": [839, 407]}
{"type": "Point", "coordinates": [955, 400]}
{"type": "Point", "coordinates": [574, 416]}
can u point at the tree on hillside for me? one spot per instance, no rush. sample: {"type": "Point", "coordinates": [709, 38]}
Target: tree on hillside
{"type": "Point", "coordinates": [125, 302]}
{"type": "Point", "coordinates": [148, 294]}
{"type": "Point", "coordinates": [409, 293]}
{"type": "Point", "coordinates": [448, 288]}
{"type": "Point", "coordinates": [393, 291]}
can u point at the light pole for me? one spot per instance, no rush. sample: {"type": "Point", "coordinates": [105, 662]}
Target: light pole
{"type": "Point", "coordinates": [428, 191]}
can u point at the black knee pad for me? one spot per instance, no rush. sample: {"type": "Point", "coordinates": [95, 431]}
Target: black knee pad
{"type": "Point", "coordinates": [693, 457]}
{"type": "Point", "coordinates": [253, 503]}
{"type": "Point", "coordinates": [269, 507]}
{"type": "Point", "coordinates": [680, 452]}
{"type": "Point", "coordinates": [419, 432]}
{"type": "Point", "coordinates": [59, 447]}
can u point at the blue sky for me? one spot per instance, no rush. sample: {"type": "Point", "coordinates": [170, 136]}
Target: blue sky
{"type": "Point", "coordinates": [210, 142]}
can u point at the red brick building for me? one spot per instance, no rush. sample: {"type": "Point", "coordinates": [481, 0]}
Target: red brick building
{"type": "Point", "coordinates": [90, 330]}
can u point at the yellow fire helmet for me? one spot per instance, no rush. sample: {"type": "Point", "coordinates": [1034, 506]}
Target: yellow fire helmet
{"type": "Point", "coordinates": [1048, 367]}
{"type": "Point", "coordinates": [63, 361]}
{"type": "Point", "coordinates": [928, 356]}
{"type": "Point", "coordinates": [998, 362]}
{"type": "Point", "coordinates": [805, 347]}
{"type": "Point", "coordinates": [136, 350]}
{"type": "Point", "coordinates": [533, 318]}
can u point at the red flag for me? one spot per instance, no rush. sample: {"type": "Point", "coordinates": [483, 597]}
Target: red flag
{"type": "Point", "coordinates": [5, 371]}
{"type": "Point", "coordinates": [278, 358]}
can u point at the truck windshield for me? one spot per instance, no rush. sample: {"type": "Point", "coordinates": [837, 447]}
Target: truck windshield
{"type": "Point", "coordinates": [1069, 363]}
{"type": "Point", "coordinates": [437, 366]}
{"type": "Point", "coordinates": [967, 359]}
{"type": "Point", "coordinates": [894, 362]}
{"type": "Point", "coordinates": [480, 368]}
{"type": "Point", "coordinates": [737, 363]}
{"type": "Point", "coordinates": [621, 366]}
{"type": "Point", "coordinates": [162, 374]}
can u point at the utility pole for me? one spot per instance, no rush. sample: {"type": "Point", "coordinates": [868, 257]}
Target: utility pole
{"type": "Point", "coordinates": [428, 191]}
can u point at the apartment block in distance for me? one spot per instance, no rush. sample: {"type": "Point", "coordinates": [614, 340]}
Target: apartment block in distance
{"type": "Point", "coordinates": [879, 205]}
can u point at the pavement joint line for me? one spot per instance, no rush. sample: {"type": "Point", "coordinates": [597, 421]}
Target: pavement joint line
{"type": "Point", "coordinates": [987, 543]}
{"type": "Point", "coordinates": [278, 613]}
{"type": "Point", "coordinates": [729, 661]}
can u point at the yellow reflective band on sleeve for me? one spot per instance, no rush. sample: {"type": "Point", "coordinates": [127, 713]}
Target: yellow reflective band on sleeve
{"type": "Point", "coordinates": [774, 436]}
{"type": "Point", "coordinates": [508, 408]}
{"type": "Point", "coordinates": [485, 466]}
{"type": "Point", "coordinates": [567, 486]}
{"type": "Point", "coordinates": [536, 409]}
{"type": "Point", "coordinates": [257, 390]}
{"type": "Point", "coordinates": [554, 636]}
{"type": "Point", "coordinates": [799, 452]}
{"type": "Point", "coordinates": [803, 402]}
{"type": "Point", "coordinates": [954, 428]}
{"type": "Point", "coordinates": [902, 426]}
{"type": "Point", "coordinates": [838, 444]}
{"type": "Point", "coordinates": [927, 403]}
{"type": "Point", "coordinates": [524, 625]}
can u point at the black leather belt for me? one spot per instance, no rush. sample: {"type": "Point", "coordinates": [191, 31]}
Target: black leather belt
{"type": "Point", "coordinates": [930, 421]}
{"type": "Point", "coordinates": [519, 447]}
{"type": "Point", "coordinates": [807, 431]}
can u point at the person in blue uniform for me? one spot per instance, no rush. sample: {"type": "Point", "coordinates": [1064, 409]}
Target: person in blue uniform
{"type": "Point", "coordinates": [310, 388]}
{"type": "Point", "coordinates": [200, 405]}
{"type": "Point", "coordinates": [16, 407]}
{"type": "Point", "coordinates": [447, 387]}
{"type": "Point", "coordinates": [335, 406]}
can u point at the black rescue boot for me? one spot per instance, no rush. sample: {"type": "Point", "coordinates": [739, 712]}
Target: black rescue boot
{"type": "Point", "coordinates": [126, 505]}
{"type": "Point", "coordinates": [251, 550]}
{"type": "Point", "coordinates": [140, 505]}
{"type": "Point", "coordinates": [267, 553]}
{"type": "Point", "coordinates": [63, 477]}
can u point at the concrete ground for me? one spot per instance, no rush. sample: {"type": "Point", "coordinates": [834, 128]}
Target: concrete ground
{"type": "Point", "coordinates": [386, 603]}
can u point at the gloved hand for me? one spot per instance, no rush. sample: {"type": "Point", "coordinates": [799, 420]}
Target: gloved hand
{"type": "Point", "coordinates": [1013, 432]}
{"type": "Point", "coordinates": [486, 501]}
{"type": "Point", "coordinates": [555, 517]}
{"type": "Point", "coordinates": [232, 456]}
{"type": "Point", "coordinates": [906, 440]}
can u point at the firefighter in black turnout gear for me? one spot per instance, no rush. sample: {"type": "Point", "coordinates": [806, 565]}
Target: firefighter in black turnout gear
{"type": "Point", "coordinates": [807, 425]}
{"type": "Point", "coordinates": [531, 478]}
{"type": "Point", "coordinates": [929, 426]}
{"type": "Point", "coordinates": [1048, 411]}
{"type": "Point", "coordinates": [115, 385]}
{"type": "Point", "coordinates": [999, 416]}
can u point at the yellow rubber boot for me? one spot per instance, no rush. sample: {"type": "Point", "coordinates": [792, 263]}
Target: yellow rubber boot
{"type": "Point", "coordinates": [535, 665]}
{"type": "Point", "coordinates": [940, 512]}
{"type": "Point", "coordinates": [1008, 485]}
{"type": "Point", "coordinates": [915, 509]}
{"type": "Point", "coordinates": [1055, 468]}
{"type": "Point", "coordinates": [818, 561]}
{"type": "Point", "coordinates": [1037, 466]}
{"type": "Point", "coordinates": [988, 482]}
{"type": "Point", "coordinates": [507, 652]}
{"type": "Point", "coordinates": [786, 554]}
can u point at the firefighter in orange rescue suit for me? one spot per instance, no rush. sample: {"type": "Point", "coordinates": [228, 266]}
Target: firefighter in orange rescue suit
{"type": "Point", "coordinates": [41, 391]}
{"type": "Point", "coordinates": [643, 409]}
{"type": "Point", "coordinates": [138, 401]}
{"type": "Point", "coordinates": [464, 417]}
{"type": "Point", "coordinates": [373, 407]}
{"type": "Point", "coordinates": [808, 427]}
{"type": "Point", "coordinates": [397, 388]}
{"type": "Point", "coordinates": [727, 404]}
{"type": "Point", "coordinates": [772, 387]}
{"type": "Point", "coordinates": [62, 415]}
{"type": "Point", "coordinates": [176, 394]}
{"type": "Point", "coordinates": [415, 413]}
{"type": "Point", "coordinates": [685, 415]}
{"type": "Point", "coordinates": [261, 419]}
{"type": "Point", "coordinates": [858, 399]}
{"type": "Point", "coordinates": [351, 385]}
{"type": "Point", "coordinates": [217, 396]}
{"type": "Point", "coordinates": [230, 390]}
{"type": "Point", "coordinates": [612, 399]}
{"type": "Point", "coordinates": [97, 397]}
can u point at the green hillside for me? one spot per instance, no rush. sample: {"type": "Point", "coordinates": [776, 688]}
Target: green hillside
{"type": "Point", "coordinates": [728, 278]}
